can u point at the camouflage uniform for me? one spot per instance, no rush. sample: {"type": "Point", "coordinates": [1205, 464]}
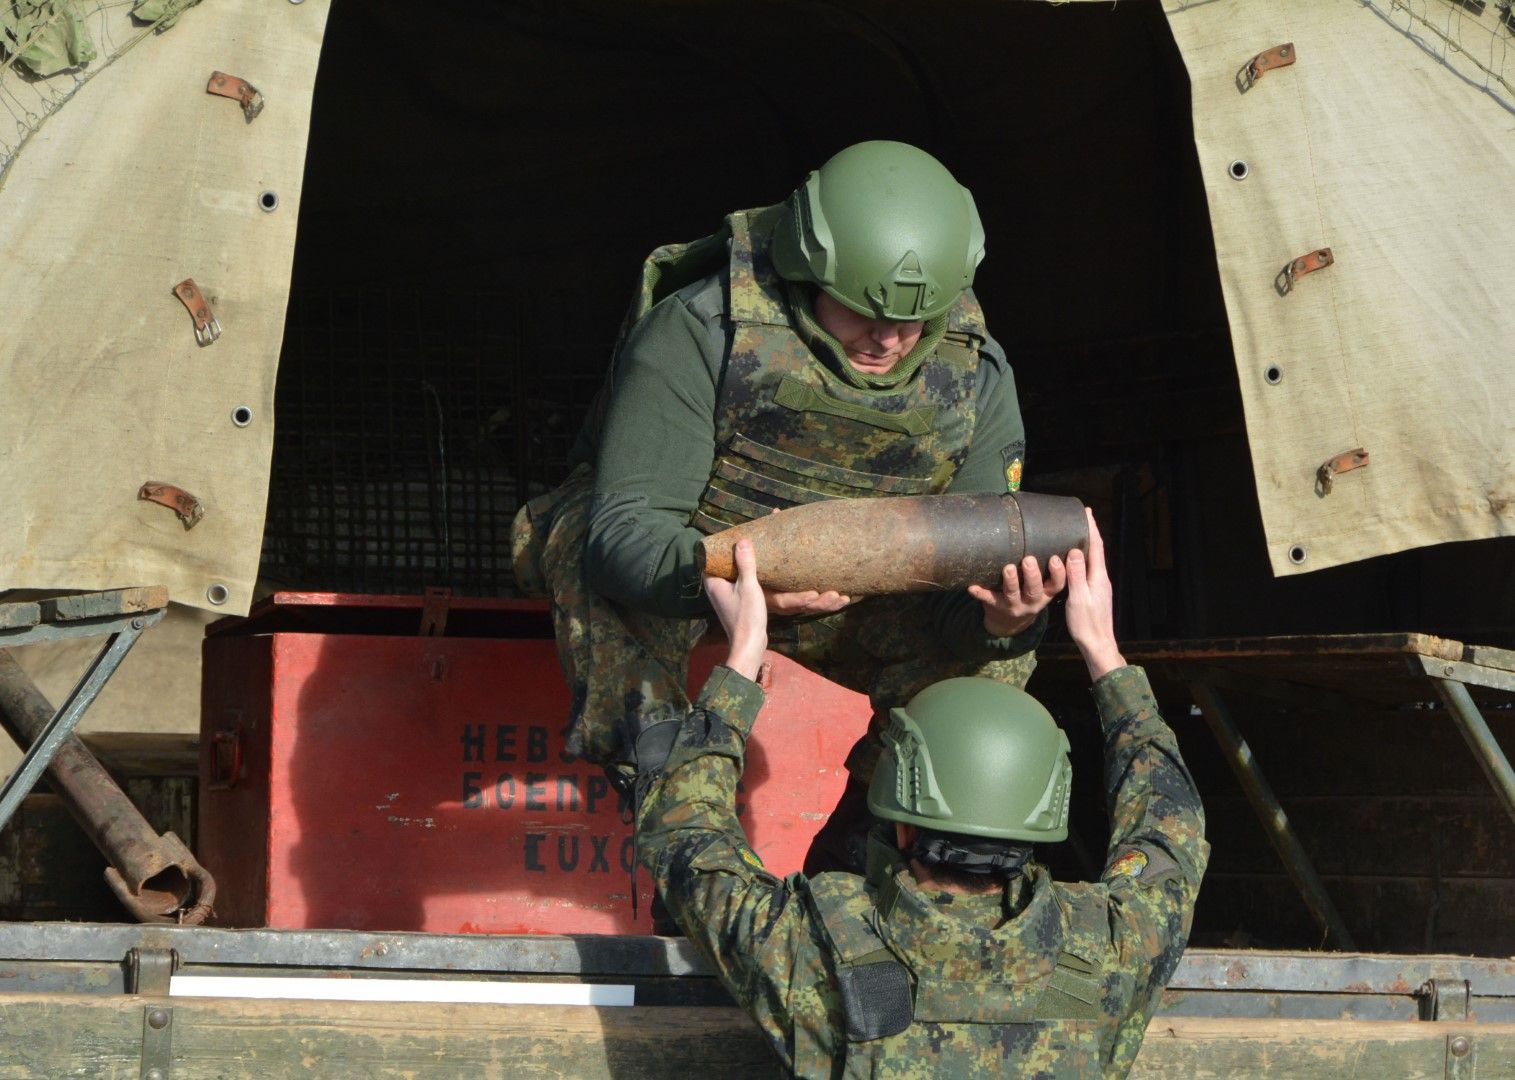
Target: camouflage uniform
{"type": "Point", "coordinates": [880, 978]}
{"type": "Point", "coordinates": [787, 429]}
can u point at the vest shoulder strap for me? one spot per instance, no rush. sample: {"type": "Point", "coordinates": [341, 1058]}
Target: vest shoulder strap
{"type": "Point", "coordinates": [874, 987]}
{"type": "Point", "coordinates": [670, 267]}
{"type": "Point", "coordinates": [756, 290]}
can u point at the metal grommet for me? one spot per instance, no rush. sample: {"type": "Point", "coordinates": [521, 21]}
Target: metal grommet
{"type": "Point", "coordinates": [241, 416]}
{"type": "Point", "coordinates": [218, 594]}
{"type": "Point", "coordinates": [268, 201]}
{"type": "Point", "coordinates": [1239, 170]}
{"type": "Point", "coordinates": [297, 1]}
{"type": "Point", "coordinates": [1273, 374]}
{"type": "Point", "coordinates": [1298, 555]}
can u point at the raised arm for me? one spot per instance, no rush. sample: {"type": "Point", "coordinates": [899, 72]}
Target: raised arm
{"type": "Point", "coordinates": [1157, 851]}
{"type": "Point", "coordinates": [744, 920]}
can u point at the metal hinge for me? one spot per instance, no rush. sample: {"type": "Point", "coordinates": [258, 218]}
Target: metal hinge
{"type": "Point", "coordinates": [148, 971]}
{"type": "Point", "coordinates": [1445, 999]}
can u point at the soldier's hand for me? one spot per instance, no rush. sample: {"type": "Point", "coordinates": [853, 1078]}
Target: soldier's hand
{"type": "Point", "coordinates": [805, 603]}
{"type": "Point", "coordinates": [1091, 606]}
{"type": "Point", "coordinates": [742, 608]}
{"type": "Point", "coordinates": [1022, 595]}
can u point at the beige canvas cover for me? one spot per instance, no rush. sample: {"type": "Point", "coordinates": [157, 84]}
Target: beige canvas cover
{"type": "Point", "coordinates": [120, 179]}
{"type": "Point", "coordinates": [1390, 140]}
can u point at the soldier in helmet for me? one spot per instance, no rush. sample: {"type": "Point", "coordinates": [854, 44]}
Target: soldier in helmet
{"type": "Point", "coordinates": [957, 955]}
{"type": "Point", "coordinates": [826, 347]}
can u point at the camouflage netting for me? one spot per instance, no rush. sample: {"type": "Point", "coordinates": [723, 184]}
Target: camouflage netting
{"type": "Point", "coordinates": [72, 39]}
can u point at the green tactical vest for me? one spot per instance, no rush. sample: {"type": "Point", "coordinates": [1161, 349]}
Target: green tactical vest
{"type": "Point", "coordinates": [920, 988]}
{"type": "Point", "coordinates": [788, 431]}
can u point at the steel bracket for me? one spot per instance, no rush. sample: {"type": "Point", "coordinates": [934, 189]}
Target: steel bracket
{"type": "Point", "coordinates": [157, 1043]}
{"type": "Point", "coordinates": [148, 971]}
{"type": "Point", "coordinates": [1462, 1057]}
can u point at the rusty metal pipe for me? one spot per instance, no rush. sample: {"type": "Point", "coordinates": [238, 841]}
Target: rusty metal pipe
{"type": "Point", "coordinates": [917, 543]}
{"type": "Point", "coordinates": [155, 877]}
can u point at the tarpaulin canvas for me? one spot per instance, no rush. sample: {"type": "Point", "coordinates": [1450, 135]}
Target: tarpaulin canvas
{"type": "Point", "coordinates": [1389, 139]}
{"type": "Point", "coordinates": [122, 178]}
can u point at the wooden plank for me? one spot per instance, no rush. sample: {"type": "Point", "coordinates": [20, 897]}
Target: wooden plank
{"type": "Point", "coordinates": [96, 605]}
{"type": "Point", "coordinates": [87, 1035]}
{"type": "Point", "coordinates": [1202, 1049]}
{"type": "Point", "coordinates": [1488, 656]}
{"type": "Point", "coordinates": [1288, 645]}
{"type": "Point", "coordinates": [60, 1034]}
{"type": "Point", "coordinates": [19, 613]}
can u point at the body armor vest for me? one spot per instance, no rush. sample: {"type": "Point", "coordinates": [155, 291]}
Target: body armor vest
{"type": "Point", "coordinates": [788, 430]}
{"type": "Point", "coordinates": [916, 984]}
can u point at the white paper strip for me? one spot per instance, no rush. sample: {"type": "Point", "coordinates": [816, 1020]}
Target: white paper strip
{"type": "Point", "coordinates": [440, 990]}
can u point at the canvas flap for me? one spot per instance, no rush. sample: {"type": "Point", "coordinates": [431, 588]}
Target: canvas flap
{"type": "Point", "coordinates": [1390, 140]}
{"type": "Point", "coordinates": [121, 179]}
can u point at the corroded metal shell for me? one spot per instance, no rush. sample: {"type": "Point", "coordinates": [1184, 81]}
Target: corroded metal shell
{"type": "Point", "coordinates": [923, 543]}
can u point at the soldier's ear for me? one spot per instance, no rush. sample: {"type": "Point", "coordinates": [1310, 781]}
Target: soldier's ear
{"type": "Point", "coordinates": [904, 836]}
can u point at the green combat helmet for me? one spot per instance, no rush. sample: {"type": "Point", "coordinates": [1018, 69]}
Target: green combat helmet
{"type": "Point", "coordinates": [975, 757]}
{"type": "Point", "coordinates": [884, 229]}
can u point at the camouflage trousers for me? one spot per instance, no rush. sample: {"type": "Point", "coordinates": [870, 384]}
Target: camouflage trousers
{"type": "Point", "coordinates": [627, 669]}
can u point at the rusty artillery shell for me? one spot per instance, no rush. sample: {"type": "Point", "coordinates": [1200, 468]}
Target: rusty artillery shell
{"type": "Point", "coordinates": [918, 543]}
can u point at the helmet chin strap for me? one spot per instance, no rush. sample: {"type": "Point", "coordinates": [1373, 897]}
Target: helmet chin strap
{"type": "Point", "coordinates": [968, 856]}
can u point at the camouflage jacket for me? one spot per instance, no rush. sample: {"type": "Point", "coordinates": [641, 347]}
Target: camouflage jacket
{"type": "Point", "coordinates": [1044, 979]}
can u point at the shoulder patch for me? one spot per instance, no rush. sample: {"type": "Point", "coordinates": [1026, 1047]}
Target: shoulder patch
{"type": "Point", "coordinates": [748, 856]}
{"type": "Point", "coordinates": [1014, 457]}
{"type": "Point", "coordinates": [1131, 864]}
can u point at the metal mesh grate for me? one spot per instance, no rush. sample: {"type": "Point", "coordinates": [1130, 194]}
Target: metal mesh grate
{"type": "Point", "coordinates": [409, 430]}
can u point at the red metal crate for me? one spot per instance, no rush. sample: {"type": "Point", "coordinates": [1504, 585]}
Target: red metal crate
{"type": "Point", "coordinates": [355, 775]}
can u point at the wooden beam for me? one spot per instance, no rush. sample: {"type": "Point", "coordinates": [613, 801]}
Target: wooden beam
{"type": "Point", "coordinates": [1217, 1049]}
{"type": "Point", "coordinates": [64, 1034]}
{"type": "Point", "coordinates": [111, 602]}
{"type": "Point", "coordinates": [88, 1035]}
{"type": "Point", "coordinates": [19, 613]}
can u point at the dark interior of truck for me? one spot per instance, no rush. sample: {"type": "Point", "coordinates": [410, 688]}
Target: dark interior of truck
{"type": "Point", "coordinates": [482, 184]}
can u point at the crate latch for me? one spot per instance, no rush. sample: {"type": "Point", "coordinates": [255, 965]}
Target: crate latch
{"type": "Point", "coordinates": [238, 89]}
{"type": "Point", "coordinates": [1278, 56]}
{"type": "Point", "coordinates": [181, 502]}
{"type": "Point", "coordinates": [434, 611]}
{"type": "Point", "coordinates": [1326, 475]}
{"type": "Point", "coordinates": [1318, 259]}
{"type": "Point", "coordinates": [207, 326]}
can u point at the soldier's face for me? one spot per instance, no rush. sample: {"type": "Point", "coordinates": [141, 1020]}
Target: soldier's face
{"type": "Point", "coordinates": [873, 346]}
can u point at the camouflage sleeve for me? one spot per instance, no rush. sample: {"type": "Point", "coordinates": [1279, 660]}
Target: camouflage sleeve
{"type": "Point", "coordinates": [1157, 850]}
{"type": "Point", "coordinates": [640, 548]}
{"type": "Point", "coordinates": [748, 924]}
